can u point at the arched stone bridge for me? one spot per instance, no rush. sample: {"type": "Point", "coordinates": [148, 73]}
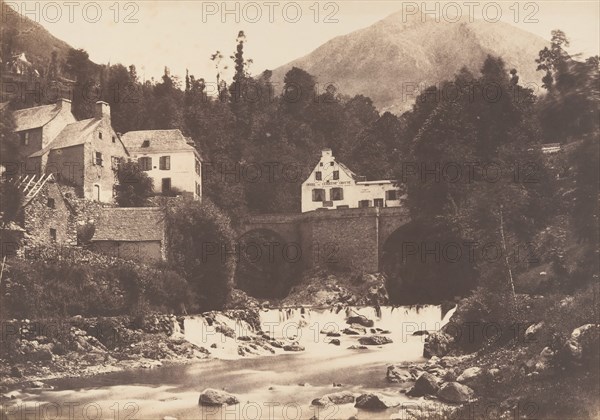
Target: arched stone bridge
{"type": "Point", "coordinates": [351, 238]}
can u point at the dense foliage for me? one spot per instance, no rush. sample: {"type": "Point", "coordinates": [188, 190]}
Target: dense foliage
{"type": "Point", "coordinates": [63, 282]}
{"type": "Point", "coordinates": [201, 248]}
{"type": "Point", "coordinates": [134, 186]}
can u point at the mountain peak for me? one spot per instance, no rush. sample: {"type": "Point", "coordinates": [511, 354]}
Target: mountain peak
{"type": "Point", "coordinates": [391, 60]}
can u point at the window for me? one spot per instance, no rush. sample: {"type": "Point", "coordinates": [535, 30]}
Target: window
{"type": "Point", "coordinates": [198, 191]}
{"type": "Point", "coordinates": [337, 194]}
{"type": "Point", "coordinates": [53, 235]}
{"type": "Point", "coordinates": [197, 167]}
{"type": "Point", "coordinates": [318, 194]}
{"type": "Point", "coordinates": [164, 163]}
{"type": "Point", "coordinates": [318, 175]}
{"type": "Point", "coordinates": [50, 203]}
{"type": "Point", "coordinates": [115, 161]}
{"type": "Point", "coordinates": [98, 160]}
{"type": "Point", "coordinates": [166, 185]}
{"type": "Point", "coordinates": [336, 174]}
{"type": "Point", "coordinates": [378, 202]}
{"type": "Point", "coordinates": [343, 206]}
{"type": "Point", "coordinates": [320, 163]}
{"type": "Point", "coordinates": [331, 163]}
{"type": "Point", "coordinates": [146, 143]}
{"type": "Point", "coordinates": [100, 135]}
{"type": "Point", "coordinates": [114, 139]}
{"type": "Point", "coordinates": [24, 138]}
{"type": "Point", "coordinates": [364, 203]}
{"type": "Point", "coordinates": [391, 195]}
{"type": "Point", "coordinates": [145, 163]}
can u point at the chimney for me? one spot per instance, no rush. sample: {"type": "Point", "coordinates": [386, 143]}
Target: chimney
{"type": "Point", "coordinates": [327, 154]}
{"type": "Point", "coordinates": [102, 110]}
{"type": "Point", "coordinates": [65, 104]}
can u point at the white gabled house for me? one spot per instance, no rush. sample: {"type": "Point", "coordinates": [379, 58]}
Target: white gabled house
{"type": "Point", "coordinates": [332, 185]}
{"type": "Point", "coordinates": [169, 159]}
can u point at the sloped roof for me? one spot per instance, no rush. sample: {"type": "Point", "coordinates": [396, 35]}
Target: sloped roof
{"type": "Point", "coordinates": [159, 141]}
{"type": "Point", "coordinates": [138, 224]}
{"type": "Point", "coordinates": [39, 116]}
{"type": "Point", "coordinates": [72, 135]}
{"type": "Point", "coordinates": [348, 171]}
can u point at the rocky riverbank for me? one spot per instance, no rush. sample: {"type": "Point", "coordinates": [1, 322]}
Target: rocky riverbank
{"type": "Point", "coordinates": [46, 349]}
{"type": "Point", "coordinates": [38, 350]}
{"type": "Point", "coordinates": [35, 351]}
{"type": "Point", "coordinates": [533, 369]}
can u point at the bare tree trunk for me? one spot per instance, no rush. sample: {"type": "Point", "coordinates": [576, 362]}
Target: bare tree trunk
{"type": "Point", "coordinates": [510, 276]}
{"type": "Point", "coordinates": [2, 268]}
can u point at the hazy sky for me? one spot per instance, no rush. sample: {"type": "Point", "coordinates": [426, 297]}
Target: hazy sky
{"type": "Point", "coordinates": [183, 34]}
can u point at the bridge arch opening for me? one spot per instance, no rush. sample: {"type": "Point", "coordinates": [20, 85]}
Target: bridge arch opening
{"type": "Point", "coordinates": [267, 265]}
{"type": "Point", "coordinates": [423, 267]}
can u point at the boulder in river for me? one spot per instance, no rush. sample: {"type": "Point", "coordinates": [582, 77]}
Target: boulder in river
{"type": "Point", "coordinates": [357, 347]}
{"type": "Point", "coordinates": [293, 347]}
{"type": "Point", "coordinates": [360, 320]}
{"type": "Point", "coordinates": [455, 393]}
{"type": "Point", "coordinates": [374, 401]}
{"type": "Point", "coordinates": [334, 341]}
{"type": "Point", "coordinates": [217, 397]}
{"type": "Point", "coordinates": [337, 398]}
{"type": "Point", "coordinates": [398, 374]}
{"type": "Point", "coordinates": [426, 384]}
{"type": "Point", "coordinates": [375, 340]}
{"type": "Point", "coordinates": [354, 330]}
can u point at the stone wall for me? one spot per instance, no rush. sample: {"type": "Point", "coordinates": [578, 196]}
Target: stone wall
{"type": "Point", "coordinates": [49, 211]}
{"type": "Point", "coordinates": [143, 251]}
{"type": "Point", "coordinates": [343, 238]}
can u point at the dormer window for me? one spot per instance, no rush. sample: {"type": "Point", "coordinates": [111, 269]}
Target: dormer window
{"type": "Point", "coordinates": [146, 143]}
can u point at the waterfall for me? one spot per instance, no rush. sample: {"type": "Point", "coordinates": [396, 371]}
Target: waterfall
{"type": "Point", "coordinates": [309, 327]}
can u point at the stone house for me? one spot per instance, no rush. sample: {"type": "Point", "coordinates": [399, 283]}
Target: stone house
{"type": "Point", "coordinates": [169, 158]}
{"type": "Point", "coordinates": [131, 233]}
{"type": "Point", "coordinates": [37, 127]}
{"type": "Point", "coordinates": [332, 184]}
{"type": "Point", "coordinates": [85, 154]}
{"type": "Point", "coordinates": [47, 215]}
{"type": "Point", "coordinates": [44, 217]}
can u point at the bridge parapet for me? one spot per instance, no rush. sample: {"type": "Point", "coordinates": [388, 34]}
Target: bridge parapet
{"type": "Point", "coordinates": [352, 238]}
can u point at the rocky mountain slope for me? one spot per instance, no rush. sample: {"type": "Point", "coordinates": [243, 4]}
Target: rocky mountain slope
{"type": "Point", "coordinates": [30, 37]}
{"type": "Point", "coordinates": [387, 59]}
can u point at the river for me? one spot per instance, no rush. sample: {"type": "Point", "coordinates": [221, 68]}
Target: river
{"type": "Point", "coordinates": [279, 386]}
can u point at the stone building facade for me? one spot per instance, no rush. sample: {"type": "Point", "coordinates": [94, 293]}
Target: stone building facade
{"type": "Point", "coordinates": [332, 185]}
{"type": "Point", "coordinates": [169, 158]}
{"type": "Point", "coordinates": [37, 127]}
{"type": "Point", "coordinates": [85, 154]}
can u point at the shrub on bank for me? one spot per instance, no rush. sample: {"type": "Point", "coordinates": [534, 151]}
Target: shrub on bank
{"type": "Point", "coordinates": [83, 283]}
{"type": "Point", "coordinates": [202, 246]}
